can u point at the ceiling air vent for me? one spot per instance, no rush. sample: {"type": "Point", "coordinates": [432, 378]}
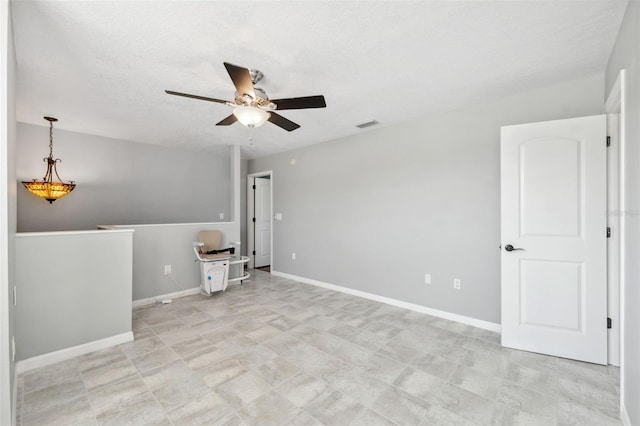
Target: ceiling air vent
{"type": "Point", "coordinates": [367, 123]}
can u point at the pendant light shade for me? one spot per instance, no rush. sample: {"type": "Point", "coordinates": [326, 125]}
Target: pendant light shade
{"type": "Point", "coordinates": [47, 188]}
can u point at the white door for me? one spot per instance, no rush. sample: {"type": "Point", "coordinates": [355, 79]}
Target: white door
{"type": "Point", "coordinates": [554, 275]}
{"type": "Point", "coordinates": [262, 209]}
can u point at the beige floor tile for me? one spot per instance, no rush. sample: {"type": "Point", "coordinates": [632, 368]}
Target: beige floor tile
{"type": "Point", "coordinates": [333, 408]}
{"type": "Point", "coordinates": [52, 396]}
{"type": "Point", "coordinates": [275, 351]}
{"type": "Point", "coordinates": [154, 359]}
{"type": "Point", "coordinates": [115, 394]}
{"type": "Point", "coordinates": [108, 374]}
{"type": "Point", "coordinates": [180, 392]}
{"type": "Point", "coordinates": [243, 389]}
{"type": "Point", "coordinates": [302, 389]}
{"type": "Point", "coordinates": [276, 371]}
{"type": "Point", "coordinates": [205, 408]}
{"type": "Point", "coordinates": [269, 409]}
{"type": "Point", "coordinates": [139, 411]}
{"type": "Point", "coordinates": [52, 374]}
{"type": "Point", "coordinates": [217, 374]}
{"type": "Point", "coordinates": [76, 411]}
{"type": "Point", "coordinates": [168, 373]}
{"type": "Point", "coordinates": [141, 347]}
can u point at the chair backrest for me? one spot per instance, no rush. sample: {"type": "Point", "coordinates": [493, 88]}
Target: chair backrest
{"type": "Point", "coordinates": [212, 240]}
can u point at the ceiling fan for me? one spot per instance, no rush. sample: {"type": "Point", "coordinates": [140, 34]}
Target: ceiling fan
{"type": "Point", "coordinates": [251, 106]}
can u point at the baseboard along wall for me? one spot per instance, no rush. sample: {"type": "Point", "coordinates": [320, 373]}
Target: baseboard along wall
{"type": "Point", "coordinates": [486, 325]}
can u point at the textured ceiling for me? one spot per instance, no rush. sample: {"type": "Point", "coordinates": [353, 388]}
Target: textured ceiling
{"type": "Point", "coordinates": [102, 67]}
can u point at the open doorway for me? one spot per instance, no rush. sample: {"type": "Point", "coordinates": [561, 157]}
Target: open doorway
{"type": "Point", "coordinates": [260, 220]}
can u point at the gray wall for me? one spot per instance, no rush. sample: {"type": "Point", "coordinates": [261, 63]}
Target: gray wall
{"type": "Point", "coordinates": [157, 245]}
{"type": "Point", "coordinates": [8, 211]}
{"type": "Point", "coordinates": [82, 295]}
{"type": "Point", "coordinates": [626, 55]}
{"type": "Point", "coordinates": [119, 182]}
{"type": "Point", "coordinates": [377, 211]}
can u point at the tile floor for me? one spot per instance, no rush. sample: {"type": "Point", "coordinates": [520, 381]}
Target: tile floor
{"type": "Point", "coordinates": [277, 352]}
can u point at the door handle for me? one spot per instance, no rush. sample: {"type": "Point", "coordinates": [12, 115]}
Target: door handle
{"type": "Point", "coordinates": [509, 247]}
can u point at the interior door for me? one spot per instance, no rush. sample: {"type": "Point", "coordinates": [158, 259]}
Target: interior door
{"type": "Point", "coordinates": [262, 224]}
{"type": "Point", "coordinates": [553, 226]}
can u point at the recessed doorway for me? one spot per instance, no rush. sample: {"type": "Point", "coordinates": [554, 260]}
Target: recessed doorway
{"type": "Point", "coordinates": [260, 220]}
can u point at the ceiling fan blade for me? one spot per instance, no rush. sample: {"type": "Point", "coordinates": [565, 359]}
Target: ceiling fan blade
{"type": "Point", "coordinates": [241, 78]}
{"type": "Point", "coordinates": [300, 103]}
{"type": "Point", "coordinates": [280, 121]}
{"type": "Point", "coordinates": [202, 98]}
{"type": "Point", "coordinates": [227, 121]}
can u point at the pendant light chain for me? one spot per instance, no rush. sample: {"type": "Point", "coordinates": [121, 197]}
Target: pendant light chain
{"type": "Point", "coordinates": [50, 139]}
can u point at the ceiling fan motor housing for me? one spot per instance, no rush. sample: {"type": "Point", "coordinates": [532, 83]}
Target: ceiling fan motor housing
{"type": "Point", "coordinates": [261, 100]}
{"type": "Point", "coordinates": [256, 75]}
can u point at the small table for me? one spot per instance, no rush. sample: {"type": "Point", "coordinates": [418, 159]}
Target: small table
{"type": "Point", "coordinates": [237, 273]}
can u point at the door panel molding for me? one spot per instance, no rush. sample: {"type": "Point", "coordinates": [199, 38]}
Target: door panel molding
{"type": "Point", "coordinates": [553, 189]}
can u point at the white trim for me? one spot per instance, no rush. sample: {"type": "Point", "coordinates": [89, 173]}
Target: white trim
{"type": "Point", "coordinates": [251, 180]}
{"type": "Point", "coordinates": [250, 207]}
{"type": "Point", "coordinates": [72, 352]}
{"type": "Point", "coordinates": [14, 399]}
{"type": "Point", "coordinates": [7, 415]}
{"type": "Point", "coordinates": [59, 233]}
{"type": "Point", "coordinates": [616, 102]}
{"type": "Point", "coordinates": [613, 243]}
{"type": "Point", "coordinates": [624, 415]}
{"type": "Point", "coordinates": [156, 299]}
{"type": "Point", "coordinates": [486, 325]}
{"type": "Point", "coordinates": [151, 225]}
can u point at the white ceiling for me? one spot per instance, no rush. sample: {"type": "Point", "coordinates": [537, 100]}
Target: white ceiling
{"type": "Point", "coordinates": [102, 67]}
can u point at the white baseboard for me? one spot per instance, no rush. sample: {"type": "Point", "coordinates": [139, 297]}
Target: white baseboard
{"type": "Point", "coordinates": [156, 299]}
{"type": "Point", "coordinates": [74, 351]}
{"type": "Point", "coordinates": [624, 415]}
{"type": "Point", "coordinates": [486, 325]}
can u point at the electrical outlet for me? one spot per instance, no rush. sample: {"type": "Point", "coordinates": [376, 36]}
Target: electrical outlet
{"type": "Point", "coordinates": [293, 256]}
{"type": "Point", "coordinates": [456, 283]}
{"type": "Point", "coordinates": [221, 216]}
{"type": "Point", "coordinates": [427, 278]}
{"type": "Point", "coordinates": [167, 269]}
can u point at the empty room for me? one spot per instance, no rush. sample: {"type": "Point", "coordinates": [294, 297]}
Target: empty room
{"type": "Point", "coordinates": [319, 212]}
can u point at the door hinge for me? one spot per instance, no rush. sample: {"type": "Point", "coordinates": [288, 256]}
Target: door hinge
{"type": "Point", "coordinates": [608, 140]}
{"type": "Point", "coordinates": [608, 232]}
{"type": "Point", "coordinates": [608, 322]}
{"type": "Point", "coordinates": [254, 220]}
{"type": "Point", "coordinates": [254, 187]}
{"type": "Point", "coordinates": [254, 252]}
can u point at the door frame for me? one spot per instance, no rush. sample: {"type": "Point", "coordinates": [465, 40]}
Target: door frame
{"type": "Point", "coordinates": [251, 178]}
{"type": "Point", "coordinates": [616, 104]}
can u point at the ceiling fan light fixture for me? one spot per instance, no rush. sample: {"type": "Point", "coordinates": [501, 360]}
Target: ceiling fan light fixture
{"type": "Point", "coordinates": [251, 116]}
